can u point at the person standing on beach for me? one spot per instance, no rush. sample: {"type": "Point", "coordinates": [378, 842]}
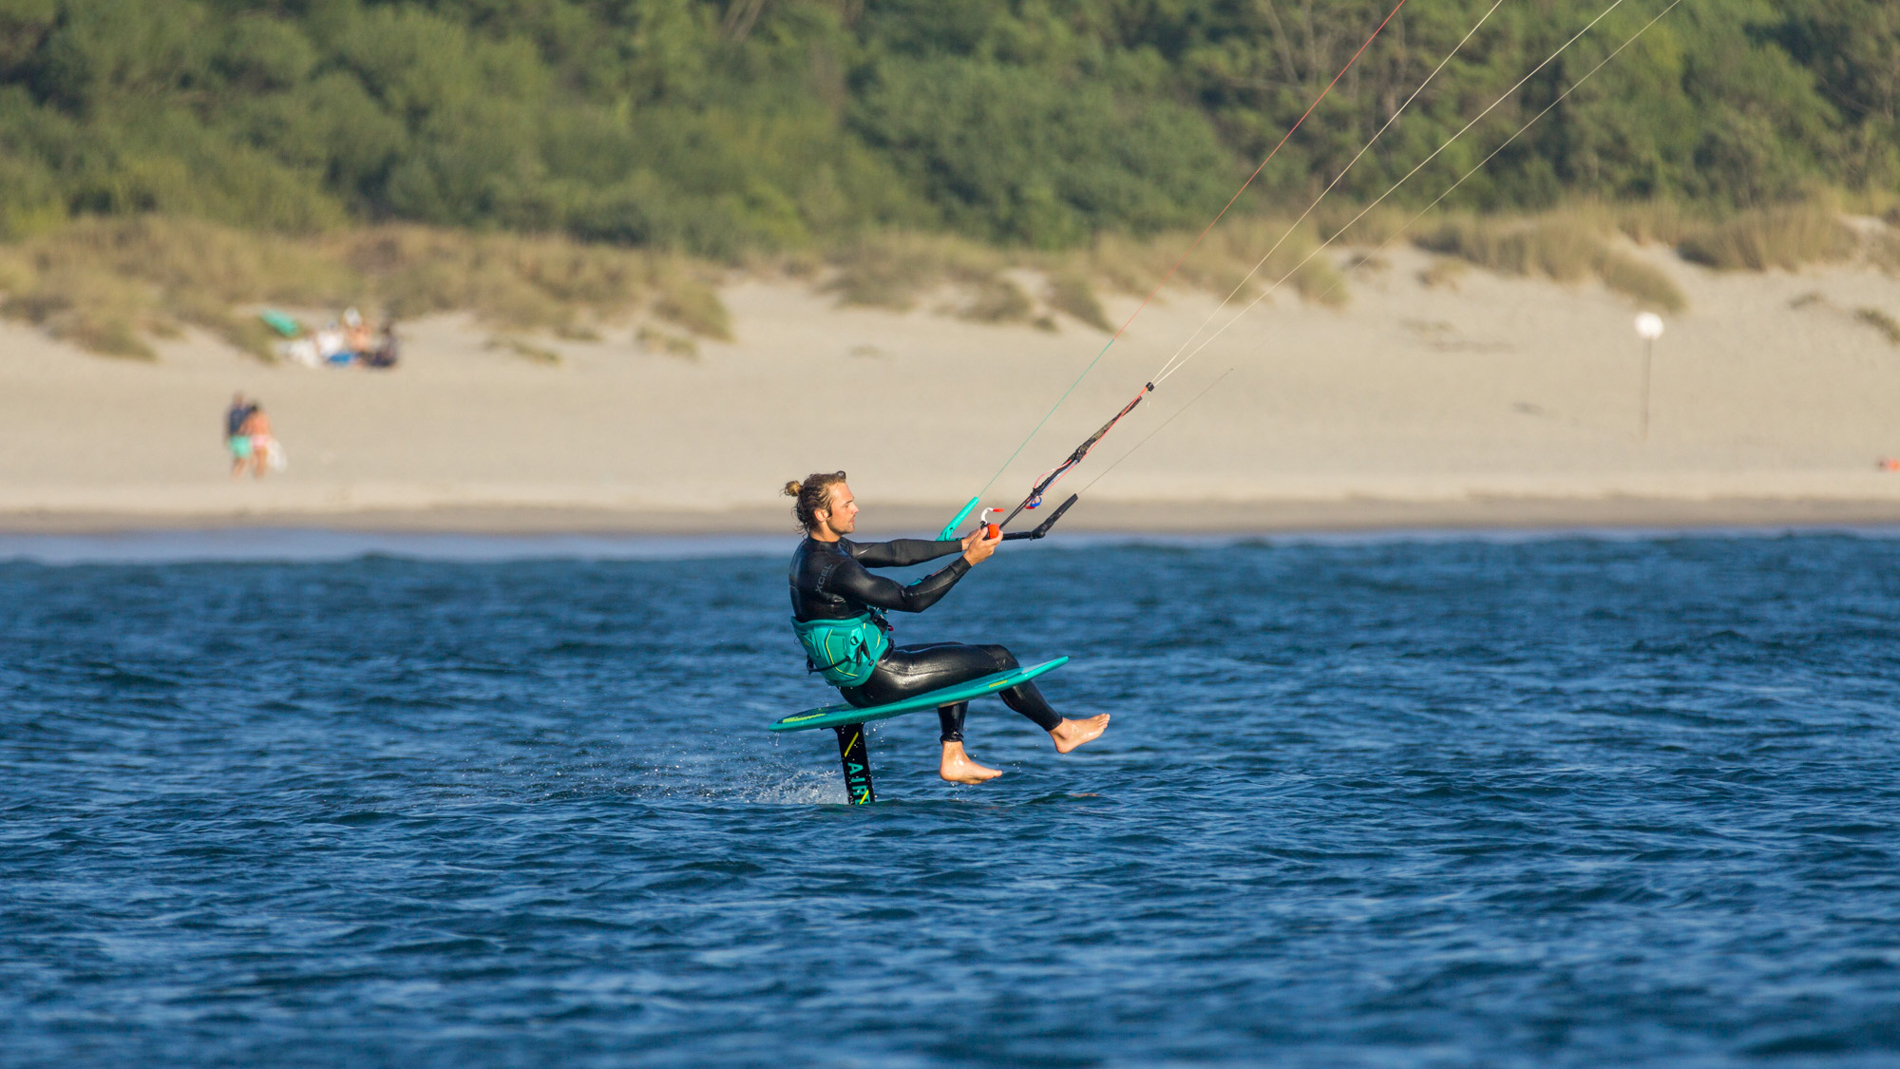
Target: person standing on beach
{"type": "Point", "coordinates": [261, 445]}
{"type": "Point", "coordinates": [235, 439]}
{"type": "Point", "coordinates": [836, 603]}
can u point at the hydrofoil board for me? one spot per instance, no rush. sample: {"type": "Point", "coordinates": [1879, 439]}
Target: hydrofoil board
{"type": "Point", "coordinates": [832, 716]}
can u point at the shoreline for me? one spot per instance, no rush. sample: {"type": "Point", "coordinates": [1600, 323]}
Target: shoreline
{"type": "Point", "coordinates": [1161, 518]}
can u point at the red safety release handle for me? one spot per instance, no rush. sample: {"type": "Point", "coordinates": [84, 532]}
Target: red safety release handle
{"type": "Point", "coordinates": [993, 530]}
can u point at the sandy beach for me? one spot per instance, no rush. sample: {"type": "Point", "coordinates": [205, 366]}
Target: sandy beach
{"type": "Point", "coordinates": [1497, 402]}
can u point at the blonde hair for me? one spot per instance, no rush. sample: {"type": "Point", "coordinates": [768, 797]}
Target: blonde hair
{"type": "Point", "coordinates": [811, 495]}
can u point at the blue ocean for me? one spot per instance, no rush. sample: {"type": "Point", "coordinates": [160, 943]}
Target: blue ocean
{"type": "Point", "coordinates": [1609, 800]}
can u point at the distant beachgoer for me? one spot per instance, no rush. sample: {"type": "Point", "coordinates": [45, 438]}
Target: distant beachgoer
{"type": "Point", "coordinates": [357, 337]}
{"type": "Point", "coordinates": [331, 348]}
{"type": "Point", "coordinates": [263, 446]}
{"type": "Point", "coordinates": [387, 349]}
{"type": "Point", "coordinates": [235, 438]}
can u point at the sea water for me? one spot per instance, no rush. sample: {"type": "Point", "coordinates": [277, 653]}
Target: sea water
{"type": "Point", "coordinates": [1552, 801]}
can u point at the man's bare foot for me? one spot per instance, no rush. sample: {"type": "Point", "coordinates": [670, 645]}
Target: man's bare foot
{"type": "Point", "coordinates": [958, 768]}
{"type": "Point", "coordinates": [1072, 733]}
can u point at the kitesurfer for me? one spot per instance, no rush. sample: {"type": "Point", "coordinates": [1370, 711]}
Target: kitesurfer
{"type": "Point", "coordinates": [836, 605]}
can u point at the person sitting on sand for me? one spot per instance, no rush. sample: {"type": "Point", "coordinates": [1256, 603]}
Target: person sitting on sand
{"type": "Point", "coordinates": [832, 592]}
{"type": "Point", "coordinates": [357, 337]}
{"type": "Point", "coordinates": [235, 439]}
{"type": "Point", "coordinates": [387, 349]}
{"type": "Point", "coordinates": [257, 431]}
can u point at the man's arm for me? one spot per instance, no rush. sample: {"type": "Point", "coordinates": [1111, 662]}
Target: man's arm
{"type": "Point", "coordinates": [851, 580]}
{"type": "Point", "coordinates": [901, 553]}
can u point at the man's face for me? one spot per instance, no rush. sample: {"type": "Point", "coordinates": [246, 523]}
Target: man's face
{"type": "Point", "coordinates": [842, 517]}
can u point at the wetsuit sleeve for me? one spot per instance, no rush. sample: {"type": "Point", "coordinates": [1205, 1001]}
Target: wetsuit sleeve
{"type": "Point", "coordinates": [900, 553]}
{"type": "Point", "coordinates": [852, 581]}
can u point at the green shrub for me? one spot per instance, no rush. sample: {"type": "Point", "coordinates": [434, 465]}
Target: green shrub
{"type": "Point", "coordinates": [724, 129]}
{"type": "Point", "coordinates": [1024, 157]}
{"type": "Point", "coordinates": [29, 199]}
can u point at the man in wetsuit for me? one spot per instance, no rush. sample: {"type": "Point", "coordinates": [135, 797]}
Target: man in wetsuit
{"type": "Point", "coordinates": [835, 609]}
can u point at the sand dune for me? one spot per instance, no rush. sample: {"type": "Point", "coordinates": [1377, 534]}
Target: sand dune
{"type": "Point", "coordinates": [1502, 401]}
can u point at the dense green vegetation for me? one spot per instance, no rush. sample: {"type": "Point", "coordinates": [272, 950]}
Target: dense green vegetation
{"type": "Point", "coordinates": [721, 126]}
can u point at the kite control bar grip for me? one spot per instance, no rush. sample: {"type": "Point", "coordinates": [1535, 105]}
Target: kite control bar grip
{"type": "Point", "coordinates": [1042, 528]}
{"type": "Point", "coordinates": [984, 527]}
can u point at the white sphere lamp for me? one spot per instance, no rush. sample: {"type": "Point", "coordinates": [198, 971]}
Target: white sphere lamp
{"type": "Point", "coordinates": [1649, 326]}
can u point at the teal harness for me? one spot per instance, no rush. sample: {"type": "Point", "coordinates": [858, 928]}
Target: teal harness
{"type": "Point", "coordinates": [844, 651]}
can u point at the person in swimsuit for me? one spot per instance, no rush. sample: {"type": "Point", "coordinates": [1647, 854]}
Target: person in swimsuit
{"type": "Point", "coordinates": [257, 432]}
{"type": "Point", "coordinates": [832, 587]}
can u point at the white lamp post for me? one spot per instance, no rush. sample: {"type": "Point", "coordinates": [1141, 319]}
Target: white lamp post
{"type": "Point", "coordinates": [1649, 326]}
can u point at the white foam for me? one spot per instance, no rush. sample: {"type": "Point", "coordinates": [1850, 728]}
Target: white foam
{"type": "Point", "coordinates": [794, 787]}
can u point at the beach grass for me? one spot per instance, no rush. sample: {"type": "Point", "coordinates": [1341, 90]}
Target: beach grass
{"type": "Point", "coordinates": [527, 350]}
{"type": "Point", "coordinates": [1247, 257]}
{"type": "Point", "coordinates": [1646, 284]}
{"type": "Point", "coordinates": [1570, 242]}
{"type": "Point", "coordinates": [112, 285]}
{"type": "Point", "coordinates": [652, 339]}
{"type": "Point", "coordinates": [1069, 291]}
{"type": "Point", "coordinates": [1885, 252]}
{"type": "Point", "coordinates": [997, 299]}
{"type": "Point", "coordinates": [1786, 237]}
{"type": "Point", "coordinates": [1568, 247]}
{"type": "Point", "coordinates": [1444, 273]}
{"type": "Point", "coordinates": [897, 269]}
{"type": "Point", "coordinates": [690, 301]}
{"type": "Point", "coordinates": [109, 284]}
{"type": "Point", "coordinates": [1352, 225]}
{"type": "Point", "coordinates": [1881, 322]}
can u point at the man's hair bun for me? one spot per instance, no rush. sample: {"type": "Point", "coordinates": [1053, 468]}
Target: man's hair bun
{"type": "Point", "coordinates": [812, 494]}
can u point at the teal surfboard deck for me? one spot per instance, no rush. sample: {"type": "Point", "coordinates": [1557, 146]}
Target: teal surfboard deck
{"type": "Point", "coordinates": [832, 716]}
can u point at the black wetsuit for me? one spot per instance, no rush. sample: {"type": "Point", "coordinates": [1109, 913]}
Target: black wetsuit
{"type": "Point", "coordinates": [830, 581]}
